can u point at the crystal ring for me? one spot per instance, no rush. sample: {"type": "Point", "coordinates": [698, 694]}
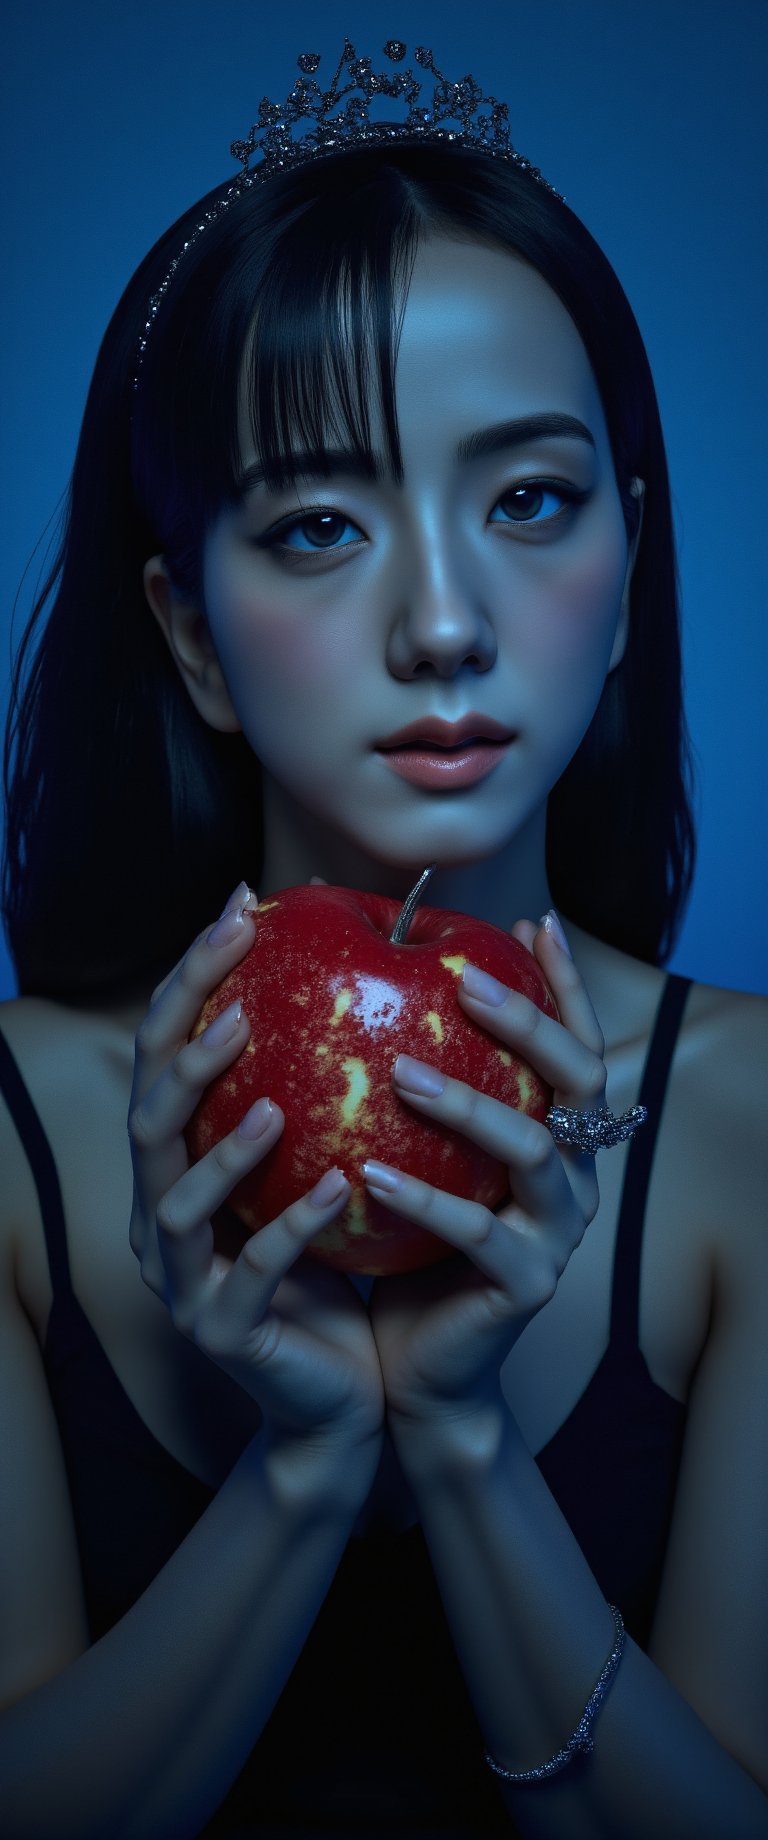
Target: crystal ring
{"type": "Point", "coordinates": [591, 1131]}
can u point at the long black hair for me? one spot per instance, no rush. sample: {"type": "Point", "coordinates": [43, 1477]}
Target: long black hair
{"type": "Point", "coordinates": [121, 801]}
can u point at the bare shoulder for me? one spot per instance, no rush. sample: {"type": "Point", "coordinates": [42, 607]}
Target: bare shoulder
{"type": "Point", "coordinates": [725, 1065]}
{"type": "Point", "coordinates": [723, 1085]}
{"type": "Point", "coordinates": [65, 1056]}
{"type": "Point", "coordinates": [708, 1166]}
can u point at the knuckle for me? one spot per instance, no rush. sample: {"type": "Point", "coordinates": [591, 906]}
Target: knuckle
{"type": "Point", "coordinates": [182, 1067]}
{"type": "Point", "coordinates": [168, 1216]}
{"type": "Point", "coordinates": [295, 1220]}
{"type": "Point", "coordinates": [536, 1145]}
{"type": "Point", "coordinates": [253, 1256]}
{"type": "Point", "coordinates": [265, 1337]}
{"type": "Point", "coordinates": [228, 1154]}
{"type": "Point", "coordinates": [591, 1200]}
{"type": "Point", "coordinates": [150, 1034]}
{"type": "Point", "coordinates": [472, 1103]}
{"type": "Point", "coordinates": [482, 1223]}
{"type": "Point", "coordinates": [593, 1078]}
{"type": "Point", "coordinates": [140, 1129]}
{"type": "Point", "coordinates": [154, 1279]}
{"type": "Point", "coordinates": [195, 973]}
{"type": "Point", "coordinates": [526, 1016]}
{"type": "Point", "coordinates": [548, 1279]}
{"type": "Point", "coordinates": [430, 1201]}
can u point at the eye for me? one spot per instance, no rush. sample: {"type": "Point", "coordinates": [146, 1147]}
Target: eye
{"type": "Point", "coordinates": [525, 504]}
{"type": "Point", "coordinates": [312, 534]}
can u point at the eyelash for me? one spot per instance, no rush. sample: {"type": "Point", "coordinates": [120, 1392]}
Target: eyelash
{"type": "Point", "coordinates": [572, 496]}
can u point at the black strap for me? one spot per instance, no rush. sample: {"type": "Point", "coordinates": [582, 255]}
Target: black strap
{"type": "Point", "coordinates": [41, 1164]}
{"type": "Point", "coordinates": [625, 1305]}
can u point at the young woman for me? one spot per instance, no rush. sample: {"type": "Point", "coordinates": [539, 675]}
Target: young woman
{"type": "Point", "coordinates": [373, 446]}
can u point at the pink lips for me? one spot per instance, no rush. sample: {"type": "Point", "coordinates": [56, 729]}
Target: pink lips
{"type": "Point", "coordinates": [446, 756]}
{"type": "Point", "coordinates": [446, 772]}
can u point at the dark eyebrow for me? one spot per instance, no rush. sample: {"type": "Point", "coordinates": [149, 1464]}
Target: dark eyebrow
{"type": "Point", "coordinates": [516, 433]}
{"type": "Point", "coordinates": [329, 462]}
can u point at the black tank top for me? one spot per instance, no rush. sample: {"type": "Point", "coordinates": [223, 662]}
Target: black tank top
{"type": "Point", "coordinates": [376, 1715]}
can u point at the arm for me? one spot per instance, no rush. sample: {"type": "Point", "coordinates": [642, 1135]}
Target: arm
{"type": "Point", "coordinates": [141, 1735]}
{"type": "Point", "coordinates": [532, 1631]}
{"type": "Point", "coordinates": [679, 1749]}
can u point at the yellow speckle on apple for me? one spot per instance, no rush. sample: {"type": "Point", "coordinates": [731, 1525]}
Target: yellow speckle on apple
{"type": "Point", "coordinates": [355, 1218]}
{"type": "Point", "coordinates": [322, 1048]}
{"type": "Point", "coordinates": [342, 1004]}
{"type": "Point", "coordinates": [358, 1088]}
{"type": "Point", "coordinates": [455, 964]}
{"type": "Point", "coordinates": [301, 997]}
{"type": "Point", "coordinates": [435, 1023]}
{"type": "Point", "coordinates": [504, 1056]}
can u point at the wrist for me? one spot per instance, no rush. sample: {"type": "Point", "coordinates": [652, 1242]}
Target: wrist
{"type": "Point", "coordinates": [462, 1441]}
{"type": "Point", "coordinates": [331, 1468]}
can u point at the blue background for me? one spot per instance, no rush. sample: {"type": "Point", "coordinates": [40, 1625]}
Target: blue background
{"type": "Point", "coordinates": [647, 116]}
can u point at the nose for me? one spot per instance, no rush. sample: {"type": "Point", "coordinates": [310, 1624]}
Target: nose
{"type": "Point", "coordinates": [440, 625]}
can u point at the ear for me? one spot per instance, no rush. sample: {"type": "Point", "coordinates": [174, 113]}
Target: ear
{"type": "Point", "coordinates": [189, 642]}
{"type": "Point", "coordinates": [637, 489]}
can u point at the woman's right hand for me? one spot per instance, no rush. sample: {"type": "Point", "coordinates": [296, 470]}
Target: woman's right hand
{"type": "Point", "coordinates": [293, 1333]}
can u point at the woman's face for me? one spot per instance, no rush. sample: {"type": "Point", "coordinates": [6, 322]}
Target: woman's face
{"type": "Point", "coordinates": [489, 583]}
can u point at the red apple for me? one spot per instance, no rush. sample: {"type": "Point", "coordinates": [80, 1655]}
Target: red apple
{"type": "Point", "coordinates": [331, 1002]}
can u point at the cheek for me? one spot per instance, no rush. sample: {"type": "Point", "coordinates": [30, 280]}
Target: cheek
{"type": "Point", "coordinates": [288, 681]}
{"type": "Point", "coordinates": [270, 659]}
{"type": "Point", "coordinates": [578, 614]}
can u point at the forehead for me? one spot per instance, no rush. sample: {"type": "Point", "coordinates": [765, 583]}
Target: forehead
{"type": "Point", "coordinates": [478, 320]}
{"type": "Point", "coordinates": [479, 336]}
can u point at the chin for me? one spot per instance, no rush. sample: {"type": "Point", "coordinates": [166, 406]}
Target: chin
{"type": "Point", "coordinates": [450, 840]}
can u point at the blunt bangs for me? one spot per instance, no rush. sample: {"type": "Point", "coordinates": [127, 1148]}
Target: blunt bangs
{"type": "Point", "coordinates": [292, 342]}
{"type": "Point", "coordinates": [282, 324]}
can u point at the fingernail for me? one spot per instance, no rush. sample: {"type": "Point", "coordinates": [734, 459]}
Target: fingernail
{"type": "Point", "coordinates": [222, 1027]}
{"type": "Point", "coordinates": [483, 988]}
{"type": "Point", "coordinates": [329, 1188]}
{"type": "Point", "coordinates": [238, 899]}
{"type": "Point", "coordinates": [255, 1122]}
{"type": "Point", "coordinates": [229, 927]}
{"type": "Point", "coordinates": [379, 1175]}
{"type": "Point", "coordinates": [551, 925]}
{"type": "Point", "coordinates": [414, 1077]}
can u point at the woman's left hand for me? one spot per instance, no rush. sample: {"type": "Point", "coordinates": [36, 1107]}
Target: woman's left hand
{"type": "Point", "coordinates": [443, 1333]}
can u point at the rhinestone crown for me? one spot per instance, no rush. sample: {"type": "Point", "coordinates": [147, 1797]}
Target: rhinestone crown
{"type": "Point", "coordinates": [332, 128]}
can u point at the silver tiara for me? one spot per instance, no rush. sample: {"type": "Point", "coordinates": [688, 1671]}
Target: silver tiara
{"type": "Point", "coordinates": [332, 128]}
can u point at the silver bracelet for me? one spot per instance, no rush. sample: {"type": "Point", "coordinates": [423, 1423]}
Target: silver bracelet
{"type": "Point", "coordinates": [582, 1739]}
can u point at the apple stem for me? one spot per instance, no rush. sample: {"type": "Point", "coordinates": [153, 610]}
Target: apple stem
{"type": "Point", "coordinates": [404, 918]}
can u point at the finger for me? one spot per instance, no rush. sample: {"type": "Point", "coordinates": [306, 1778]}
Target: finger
{"type": "Point", "coordinates": [538, 1178]}
{"type": "Point", "coordinates": [568, 1057]}
{"type": "Point", "coordinates": [525, 932]}
{"type": "Point", "coordinates": [186, 1266]}
{"type": "Point", "coordinates": [156, 1124]}
{"type": "Point", "coordinates": [243, 1296]}
{"type": "Point", "coordinates": [524, 1264]}
{"type": "Point", "coordinates": [568, 989]}
{"type": "Point", "coordinates": [546, 1180]}
{"type": "Point", "coordinates": [179, 1000]}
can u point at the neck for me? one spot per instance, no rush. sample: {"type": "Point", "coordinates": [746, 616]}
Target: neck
{"type": "Point", "coordinates": [502, 888]}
